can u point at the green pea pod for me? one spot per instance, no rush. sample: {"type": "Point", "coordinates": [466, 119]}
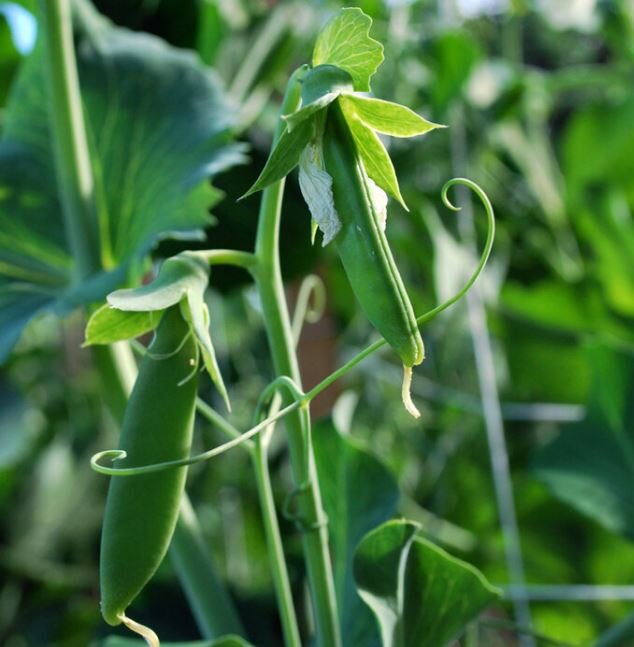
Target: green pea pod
{"type": "Point", "coordinates": [141, 511]}
{"type": "Point", "coordinates": [364, 250]}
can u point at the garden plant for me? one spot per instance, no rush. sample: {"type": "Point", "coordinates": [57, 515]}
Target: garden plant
{"type": "Point", "coordinates": [110, 141]}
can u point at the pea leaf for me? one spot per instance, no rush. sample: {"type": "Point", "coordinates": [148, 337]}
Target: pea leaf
{"type": "Point", "coordinates": [386, 117]}
{"type": "Point", "coordinates": [342, 463]}
{"type": "Point", "coordinates": [285, 155]}
{"type": "Point", "coordinates": [345, 42]}
{"type": "Point", "coordinates": [181, 279]}
{"type": "Point", "coordinates": [158, 125]}
{"type": "Point", "coordinates": [419, 594]}
{"type": "Point", "coordinates": [108, 325]}
{"type": "Point", "coordinates": [376, 160]}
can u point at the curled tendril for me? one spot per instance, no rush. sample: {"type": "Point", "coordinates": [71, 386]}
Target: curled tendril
{"type": "Point", "coordinates": [162, 356]}
{"type": "Point", "coordinates": [118, 454]}
{"type": "Point", "coordinates": [488, 245]}
{"type": "Point", "coordinates": [305, 312]}
{"type": "Point", "coordinates": [301, 399]}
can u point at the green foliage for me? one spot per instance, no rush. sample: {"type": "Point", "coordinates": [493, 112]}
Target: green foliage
{"type": "Point", "coordinates": [343, 464]}
{"type": "Point", "coordinates": [158, 127]}
{"type": "Point", "coordinates": [590, 465]}
{"type": "Point", "coordinates": [226, 641]}
{"type": "Point", "coordinates": [345, 42]}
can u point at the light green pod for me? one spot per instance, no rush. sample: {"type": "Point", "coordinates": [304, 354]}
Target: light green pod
{"type": "Point", "coordinates": [141, 511]}
{"type": "Point", "coordinates": [363, 247]}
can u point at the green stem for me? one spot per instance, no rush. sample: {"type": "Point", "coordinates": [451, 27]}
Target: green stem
{"type": "Point", "coordinates": [278, 328]}
{"type": "Point", "coordinates": [209, 600]}
{"type": "Point", "coordinates": [245, 260]}
{"type": "Point", "coordinates": [277, 560]}
{"type": "Point", "coordinates": [68, 132]}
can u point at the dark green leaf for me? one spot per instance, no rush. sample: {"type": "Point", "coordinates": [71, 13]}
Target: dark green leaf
{"type": "Point", "coordinates": [158, 127]}
{"type": "Point", "coordinates": [284, 157]}
{"type": "Point", "coordinates": [345, 42]}
{"type": "Point", "coordinates": [352, 511]}
{"type": "Point", "coordinates": [420, 595]}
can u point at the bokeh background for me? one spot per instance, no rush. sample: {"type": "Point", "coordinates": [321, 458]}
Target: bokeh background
{"type": "Point", "coordinates": [523, 460]}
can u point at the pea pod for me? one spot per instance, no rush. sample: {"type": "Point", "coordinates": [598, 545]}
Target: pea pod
{"type": "Point", "coordinates": [363, 246]}
{"type": "Point", "coordinates": [142, 510]}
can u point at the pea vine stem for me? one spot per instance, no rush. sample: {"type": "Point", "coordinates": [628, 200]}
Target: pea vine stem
{"type": "Point", "coordinates": [280, 338]}
{"type": "Point", "coordinates": [73, 168]}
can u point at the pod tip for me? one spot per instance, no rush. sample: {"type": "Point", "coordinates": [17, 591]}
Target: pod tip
{"type": "Point", "coordinates": [145, 632]}
{"type": "Point", "coordinates": [406, 392]}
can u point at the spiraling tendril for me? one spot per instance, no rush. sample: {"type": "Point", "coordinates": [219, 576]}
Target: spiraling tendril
{"type": "Point", "coordinates": [302, 400]}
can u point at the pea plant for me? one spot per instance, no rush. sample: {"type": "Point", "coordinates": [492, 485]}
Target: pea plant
{"type": "Point", "coordinates": [123, 170]}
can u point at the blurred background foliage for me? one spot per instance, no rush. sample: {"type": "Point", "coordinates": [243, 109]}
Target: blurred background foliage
{"type": "Point", "coordinates": [539, 103]}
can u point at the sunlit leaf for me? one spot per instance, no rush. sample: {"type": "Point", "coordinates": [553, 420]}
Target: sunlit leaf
{"type": "Point", "coordinates": [345, 42]}
{"type": "Point", "coordinates": [108, 325]}
{"type": "Point", "coordinates": [386, 117]}
{"type": "Point", "coordinates": [376, 159]}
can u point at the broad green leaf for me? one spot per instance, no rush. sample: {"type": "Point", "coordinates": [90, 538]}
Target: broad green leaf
{"type": "Point", "coordinates": [345, 42]}
{"type": "Point", "coordinates": [342, 463]}
{"type": "Point", "coordinates": [181, 279]}
{"type": "Point", "coordinates": [386, 117]}
{"type": "Point", "coordinates": [177, 276]}
{"type": "Point", "coordinates": [158, 126]}
{"type": "Point", "coordinates": [376, 159]}
{"type": "Point", "coordinates": [225, 641]}
{"type": "Point", "coordinates": [590, 465]}
{"type": "Point", "coordinates": [284, 157]}
{"type": "Point", "coordinates": [108, 325]}
{"type": "Point", "coordinates": [419, 594]}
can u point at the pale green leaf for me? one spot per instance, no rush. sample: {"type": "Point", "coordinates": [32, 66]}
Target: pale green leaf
{"type": "Point", "coordinates": [158, 126]}
{"type": "Point", "coordinates": [182, 279]}
{"type": "Point", "coordinates": [177, 276]}
{"type": "Point", "coordinates": [197, 314]}
{"type": "Point", "coordinates": [386, 117]}
{"type": "Point", "coordinates": [108, 325]}
{"type": "Point", "coordinates": [345, 42]}
{"type": "Point", "coordinates": [316, 187]}
{"type": "Point", "coordinates": [419, 594]}
{"type": "Point", "coordinates": [285, 155]}
{"type": "Point", "coordinates": [376, 159]}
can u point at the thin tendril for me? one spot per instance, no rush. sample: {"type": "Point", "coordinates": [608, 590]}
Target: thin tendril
{"type": "Point", "coordinates": [118, 454]}
{"type": "Point", "coordinates": [312, 286]}
{"type": "Point", "coordinates": [303, 399]}
{"type": "Point", "coordinates": [161, 356]}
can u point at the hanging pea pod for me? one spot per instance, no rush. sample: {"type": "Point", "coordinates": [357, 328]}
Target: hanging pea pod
{"type": "Point", "coordinates": [363, 248]}
{"type": "Point", "coordinates": [142, 510]}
